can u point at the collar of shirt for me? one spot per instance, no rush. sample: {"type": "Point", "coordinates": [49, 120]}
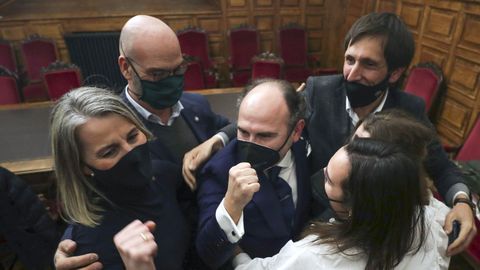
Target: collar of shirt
{"type": "Point", "coordinates": [353, 115]}
{"type": "Point", "coordinates": [176, 109]}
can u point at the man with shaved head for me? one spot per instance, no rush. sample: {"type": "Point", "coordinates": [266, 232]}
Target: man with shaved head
{"type": "Point", "coordinates": [151, 61]}
{"type": "Point", "coordinates": [254, 194]}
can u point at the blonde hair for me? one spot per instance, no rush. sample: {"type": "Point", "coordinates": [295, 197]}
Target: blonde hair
{"type": "Point", "coordinates": [78, 194]}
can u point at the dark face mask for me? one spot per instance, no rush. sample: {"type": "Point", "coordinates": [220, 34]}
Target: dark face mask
{"type": "Point", "coordinates": [163, 93]}
{"type": "Point", "coordinates": [259, 157]}
{"type": "Point", "coordinates": [320, 196]}
{"type": "Point", "coordinates": [132, 171]}
{"type": "Point", "coordinates": [361, 95]}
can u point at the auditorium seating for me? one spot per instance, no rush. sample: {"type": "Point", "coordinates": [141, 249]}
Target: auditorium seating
{"type": "Point", "coordinates": [7, 56]}
{"type": "Point", "coordinates": [244, 45]}
{"type": "Point", "coordinates": [194, 42]}
{"type": "Point", "coordinates": [424, 80]}
{"type": "Point", "coordinates": [294, 52]}
{"type": "Point", "coordinates": [59, 78]}
{"type": "Point", "coordinates": [37, 52]}
{"type": "Point", "coordinates": [194, 77]}
{"type": "Point", "coordinates": [267, 65]}
{"type": "Point", "coordinates": [8, 87]}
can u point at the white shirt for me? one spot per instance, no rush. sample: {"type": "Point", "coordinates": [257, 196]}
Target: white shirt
{"type": "Point", "coordinates": [305, 255]}
{"type": "Point", "coordinates": [353, 115]}
{"type": "Point", "coordinates": [235, 232]}
{"type": "Point", "coordinates": [176, 109]}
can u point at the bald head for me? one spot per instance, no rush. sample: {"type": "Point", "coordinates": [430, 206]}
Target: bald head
{"type": "Point", "coordinates": [280, 89]}
{"type": "Point", "coordinates": [145, 37]}
{"type": "Point", "coordinates": [266, 115]}
{"type": "Point", "coordinates": [267, 99]}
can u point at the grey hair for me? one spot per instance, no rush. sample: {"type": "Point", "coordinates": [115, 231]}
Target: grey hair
{"type": "Point", "coordinates": [77, 193]}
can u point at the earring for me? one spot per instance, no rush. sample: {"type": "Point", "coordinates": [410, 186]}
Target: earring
{"type": "Point", "coordinates": [92, 174]}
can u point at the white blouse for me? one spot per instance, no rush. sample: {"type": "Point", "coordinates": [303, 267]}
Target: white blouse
{"type": "Point", "coordinates": [305, 255]}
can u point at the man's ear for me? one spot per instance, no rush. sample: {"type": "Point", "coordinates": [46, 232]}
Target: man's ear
{"type": "Point", "coordinates": [396, 74]}
{"type": "Point", "coordinates": [298, 130]}
{"type": "Point", "coordinates": [123, 65]}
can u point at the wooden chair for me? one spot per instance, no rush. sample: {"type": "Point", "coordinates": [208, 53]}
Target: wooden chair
{"type": "Point", "coordinates": [293, 50]}
{"type": "Point", "coordinates": [59, 78]}
{"type": "Point", "coordinates": [8, 87]}
{"type": "Point", "coordinates": [424, 80]}
{"type": "Point", "coordinates": [7, 56]}
{"type": "Point", "coordinates": [37, 52]}
{"type": "Point", "coordinates": [194, 42]}
{"type": "Point", "coordinates": [267, 65]}
{"type": "Point", "coordinates": [244, 45]}
{"type": "Point", "coordinates": [194, 77]}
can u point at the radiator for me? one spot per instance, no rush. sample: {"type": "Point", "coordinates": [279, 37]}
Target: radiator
{"type": "Point", "coordinates": [96, 54]}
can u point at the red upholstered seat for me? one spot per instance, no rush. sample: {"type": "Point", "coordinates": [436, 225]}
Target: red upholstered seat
{"type": "Point", "coordinates": [59, 78]}
{"type": "Point", "coordinates": [294, 52]}
{"type": "Point", "coordinates": [424, 81]}
{"type": "Point", "coordinates": [194, 42]}
{"type": "Point", "coordinates": [244, 45]}
{"type": "Point", "coordinates": [267, 65]}
{"type": "Point", "coordinates": [7, 57]}
{"type": "Point", "coordinates": [8, 87]}
{"type": "Point", "coordinates": [471, 147]}
{"type": "Point", "coordinates": [37, 52]}
{"type": "Point", "coordinates": [194, 78]}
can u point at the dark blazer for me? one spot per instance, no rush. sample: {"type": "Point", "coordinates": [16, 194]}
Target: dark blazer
{"type": "Point", "coordinates": [265, 229]}
{"type": "Point", "coordinates": [329, 126]}
{"type": "Point", "coordinates": [157, 203]}
{"type": "Point", "coordinates": [197, 113]}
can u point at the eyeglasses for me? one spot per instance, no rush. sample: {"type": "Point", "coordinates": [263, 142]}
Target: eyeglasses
{"type": "Point", "coordinates": [160, 74]}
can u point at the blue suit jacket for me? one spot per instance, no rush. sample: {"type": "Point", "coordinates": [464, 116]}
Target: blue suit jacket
{"type": "Point", "coordinates": [265, 229]}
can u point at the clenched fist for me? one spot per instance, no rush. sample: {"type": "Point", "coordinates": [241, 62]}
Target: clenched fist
{"type": "Point", "coordinates": [242, 184]}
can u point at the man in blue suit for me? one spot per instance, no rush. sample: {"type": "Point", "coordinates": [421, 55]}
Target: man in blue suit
{"type": "Point", "coordinates": [152, 63]}
{"type": "Point", "coordinates": [241, 202]}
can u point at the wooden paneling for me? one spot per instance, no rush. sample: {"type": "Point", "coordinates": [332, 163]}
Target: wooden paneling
{"type": "Point", "coordinates": [447, 33]}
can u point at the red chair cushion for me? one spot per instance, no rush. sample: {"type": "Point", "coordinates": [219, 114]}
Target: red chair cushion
{"type": "Point", "coordinates": [241, 78]}
{"type": "Point", "coordinates": [8, 91]}
{"type": "Point", "coordinates": [297, 74]}
{"type": "Point", "coordinates": [422, 82]}
{"type": "Point", "coordinates": [7, 59]}
{"type": "Point", "coordinates": [37, 54]}
{"type": "Point", "coordinates": [195, 43]}
{"type": "Point", "coordinates": [293, 46]}
{"type": "Point", "coordinates": [194, 79]}
{"type": "Point", "coordinates": [266, 69]}
{"type": "Point", "coordinates": [60, 82]}
{"type": "Point", "coordinates": [35, 92]}
{"type": "Point", "coordinates": [243, 47]}
{"type": "Point", "coordinates": [471, 147]}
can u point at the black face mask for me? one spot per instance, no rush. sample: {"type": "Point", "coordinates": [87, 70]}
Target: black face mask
{"type": "Point", "coordinates": [361, 95]}
{"type": "Point", "coordinates": [259, 157]}
{"type": "Point", "coordinates": [132, 172]}
{"type": "Point", "coordinates": [320, 196]}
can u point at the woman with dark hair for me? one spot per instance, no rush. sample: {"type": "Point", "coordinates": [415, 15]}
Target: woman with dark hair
{"type": "Point", "coordinates": [381, 221]}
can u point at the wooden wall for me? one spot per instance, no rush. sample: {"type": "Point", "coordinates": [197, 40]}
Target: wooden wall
{"type": "Point", "coordinates": [447, 33]}
{"type": "Point", "coordinates": [28, 17]}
